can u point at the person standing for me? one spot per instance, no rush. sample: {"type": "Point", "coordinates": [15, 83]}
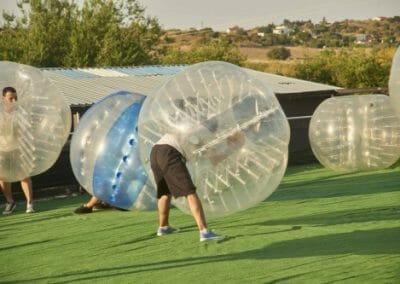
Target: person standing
{"type": "Point", "coordinates": [173, 180]}
{"type": "Point", "coordinates": [8, 150]}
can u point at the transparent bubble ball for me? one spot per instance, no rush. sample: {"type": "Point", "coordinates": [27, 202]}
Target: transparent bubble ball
{"type": "Point", "coordinates": [34, 130]}
{"type": "Point", "coordinates": [394, 82]}
{"type": "Point", "coordinates": [231, 128]}
{"type": "Point", "coordinates": [104, 153]}
{"type": "Point", "coordinates": [355, 133]}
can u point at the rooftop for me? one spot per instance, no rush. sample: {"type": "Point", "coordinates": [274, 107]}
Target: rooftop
{"type": "Point", "coordinates": [82, 86]}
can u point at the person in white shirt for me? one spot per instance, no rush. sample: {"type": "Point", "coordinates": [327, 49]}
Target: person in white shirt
{"type": "Point", "coordinates": [8, 148]}
{"type": "Point", "coordinates": [173, 179]}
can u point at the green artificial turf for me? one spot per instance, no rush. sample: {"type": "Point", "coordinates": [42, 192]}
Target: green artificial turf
{"type": "Point", "coordinates": [319, 226]}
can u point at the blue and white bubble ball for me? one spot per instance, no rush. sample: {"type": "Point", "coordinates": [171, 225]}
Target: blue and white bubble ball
{"type": "Point", "coordinates": [355, 133]}
{"type": "Point", "coordinates": [104, 153]}
{"type": "Point", "coordinates": [232, 130]}
{"type": "Point", "coordinates": [34, 131]}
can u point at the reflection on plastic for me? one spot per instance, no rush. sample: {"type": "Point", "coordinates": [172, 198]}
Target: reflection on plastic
{"type": "Point", "coordinates": [355, 133]}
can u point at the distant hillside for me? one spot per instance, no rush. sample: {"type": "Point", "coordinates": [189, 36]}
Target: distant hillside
{"type": "Point", "coordinates": [303, 39]}
{"type": "Point", "coordinates": [377, 31]}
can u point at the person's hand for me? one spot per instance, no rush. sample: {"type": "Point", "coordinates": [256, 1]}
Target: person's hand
{"type": "Point", "coordinates": [236, 140]}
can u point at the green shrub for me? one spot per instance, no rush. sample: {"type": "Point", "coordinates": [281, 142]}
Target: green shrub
{"type": "Point", "coordinates": [279, 53]}
{"type": "Point", "coordinates": [348, 68]}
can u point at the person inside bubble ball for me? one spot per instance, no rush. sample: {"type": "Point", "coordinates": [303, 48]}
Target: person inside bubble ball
{"type": "Point", "coordinates": [8, 151]}
{"type": "Point", "coordinates": [172, 177]}
{"type": "Point", "coordinates": [95, 204]}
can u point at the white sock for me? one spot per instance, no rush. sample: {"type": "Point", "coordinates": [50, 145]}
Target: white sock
{"type": "Point", "coordinates": [204, 231]}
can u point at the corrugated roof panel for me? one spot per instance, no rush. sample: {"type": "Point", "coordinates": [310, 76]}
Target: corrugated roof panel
{"type": "Point", "coordinates": [151, 70]}
{"type": "Point", "coordinates": [81, 87]}
{"type": "Point", "coordinates": [103, 72]}
{"type": "Point", "coordinates": [72, 73]}
{"type": "Point", "coordinates": [79, 91]}
{"type": "Point", "coordinates": [287, 85]}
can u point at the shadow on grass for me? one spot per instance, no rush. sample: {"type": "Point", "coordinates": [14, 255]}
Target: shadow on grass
{"type": "Point", "coordinates": [338, 217]}
{"type": "Point", "coordinates": [31, 218]}
{"type": "Point", "coordinates": [63, 202]}
{"type": "Point", "coordinates": [369, 242]}
{"type": "Point", "coordinates": [45, 210]}
{"type": "Point", "coordinates": [359, 242]}
{"type": "Point", "coordinates": [152, 236]}
{"type": "Point", "coordinates": [2, 249]}
{"type": "Point", "coordinates": [338, 185]}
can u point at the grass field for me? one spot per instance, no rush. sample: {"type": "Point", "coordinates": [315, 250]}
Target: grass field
{"type": "Point", "coordinates": [257, 58]}
{"type": "Point", "coordinates": [318, 227]}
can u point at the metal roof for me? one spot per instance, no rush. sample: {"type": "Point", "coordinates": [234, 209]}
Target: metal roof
{"type": "Point", "coordinates": [288, 85]}
{"type": "Point", "coordinates": [83, 86]}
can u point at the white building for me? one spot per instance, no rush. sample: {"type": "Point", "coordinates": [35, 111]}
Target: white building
{"type": "Point", "coordinates": [281, 30]}
{"type": "Point", "coordinates": [378, 19]}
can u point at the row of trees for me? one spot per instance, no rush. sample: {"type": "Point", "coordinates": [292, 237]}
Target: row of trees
{"type": "Point", "coordinates": [59, 33]}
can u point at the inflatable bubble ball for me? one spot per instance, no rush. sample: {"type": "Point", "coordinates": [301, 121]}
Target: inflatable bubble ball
{"type": "Point", "coordinates": [231, 129]}
{"type": "Point", "coordinates": [355, 133]}
{"type": "Point", "coordinates": [394, 82]}
{"type": "Point", "coordinates": [35, 122]}
{"type": "Point", "coordinates": [104, 153]}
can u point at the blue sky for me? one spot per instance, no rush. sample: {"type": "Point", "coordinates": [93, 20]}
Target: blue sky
{"type": "Point", "coordinates": [222, 14]}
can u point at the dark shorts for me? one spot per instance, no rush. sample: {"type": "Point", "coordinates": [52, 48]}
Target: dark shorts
{"type": "Point", "coordinates": [170, 172]}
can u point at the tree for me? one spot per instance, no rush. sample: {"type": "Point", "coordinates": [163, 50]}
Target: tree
{"type": "Point", "coordinates": [12, 39]}
{"type": "Point", "coordinates": [266, 29]}
{"type": "Point", "coordinates": [59, 33]}
{"type": "Point", "coordinates": [303, 37]}
{"type": "Point", "coordinates": [354, 68]}
{"type": "Point", "coordinates": [114, 33]}
{"type": "Point", "coordinates": [221, 50]}
{"type": "Point", "coordinates": [280, 53]}
{"type": "Point", "coordinates": [40, 36]}
{"type": "Point", "coordinates": [48, 32]}
{"type": "Point", "coordinates": [317, 69]}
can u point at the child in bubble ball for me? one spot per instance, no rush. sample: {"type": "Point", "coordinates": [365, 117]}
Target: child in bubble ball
{"type": "Point", "coordinates": [8, 150]}
{"type": "Point", "coordinates": [173, 179]}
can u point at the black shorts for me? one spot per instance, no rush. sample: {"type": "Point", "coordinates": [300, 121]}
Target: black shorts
{"type": "Point", "coordinates": [170, 172]}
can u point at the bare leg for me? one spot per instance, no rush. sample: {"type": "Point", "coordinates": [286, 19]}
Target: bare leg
{"type": "Point", "coordinates": [93, 202]}
{"type": "Point", "coordinates": [6, 186]}
{"type": "Point", "coordinates": [163, 210]}
{"type": "Point", "coordinates": [26, 185]}
{"type": "Point", "coordinates": [197, 211]}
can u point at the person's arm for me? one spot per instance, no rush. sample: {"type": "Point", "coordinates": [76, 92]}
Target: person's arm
{"type": "Point", "coordinates": [232, 143]}
{"type": "Point", "coordinates": [236, 140]}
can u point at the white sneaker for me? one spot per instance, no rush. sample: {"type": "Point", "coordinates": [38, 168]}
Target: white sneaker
{"type": "Point", "coordinates": [210, 236]}
{"type": "Point", "coordinates": [9, 208]}
{"type": "Point", "coordinates": [166, 231]}
{"type": "Point", "coordinates": [29, 208]}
